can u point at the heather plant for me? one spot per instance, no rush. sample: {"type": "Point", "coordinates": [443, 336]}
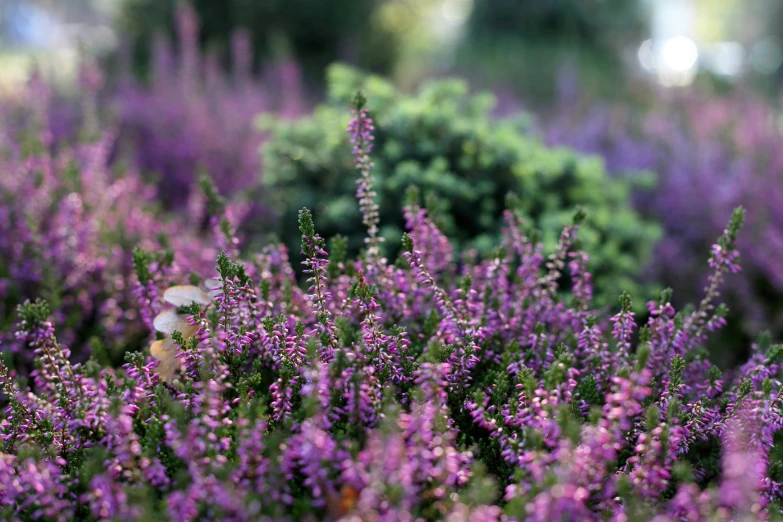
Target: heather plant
{"type": "Point", "coordinates": [420, 389]}
{"type": "Point", "coordinates": [73, 211]}
{"type": "Point", "coordinates": [70, 219]}
{"type": "Point", "coordinates": [192, 117]}
{"type": "Point", "coordinates": [44, 109]}
{"type": "Point", "coordinates": [711, 154]}
{"type": "Point", "coordinates": [465, 164]}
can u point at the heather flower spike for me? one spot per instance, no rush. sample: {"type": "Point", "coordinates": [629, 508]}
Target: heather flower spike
{"type": "Point", "coordinates": [360, 129]}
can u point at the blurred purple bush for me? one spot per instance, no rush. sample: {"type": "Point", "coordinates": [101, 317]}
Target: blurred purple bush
{"type": "Point", "coordinates": [192, 117]}
{"type": "Point", "coordinates": [710, 153]}
{"type": "Point", "coordinates": [69, 222]}
{"type": "Point", "coordinates": [71, 209]}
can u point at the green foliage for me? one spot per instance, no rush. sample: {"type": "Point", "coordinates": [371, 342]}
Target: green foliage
{"type": "Point", "coordinates": [444, 140]}
{"type": "Point", "coordinates": [313, 33]}
{"type": "Point", "coordinates": [592, 22]}
{"type": "Point", "coordinates": [625, 302]}
{"type": "Point", "coordinates": [216, 205]}
{"type": "Point", "coordinates": [141, 262]}
{"type": "Point", "coordinates": [589, 392]}
{"type": "Point", "coordinates": [550, 43]}
{"type": "Point", "coordinates": [229, 270]}
{"type": "Point", "coordinates": [338, 251]}
{"type": "Point", "coordinates": [407, 243]}
{"type": "Point", "coordinates": [728, 240]}
{"type": "Point", "coordinates": [33, 314]}
{"type": "Point", "coordinates": [675, 374]}
{"type": "Point", "coordinates": [307, 229]}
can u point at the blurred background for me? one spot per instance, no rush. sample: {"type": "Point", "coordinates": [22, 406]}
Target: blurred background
{"type": "Point", "coordinates": [658, 116]}
{"type": "Point", "coordinates": [521, 46]}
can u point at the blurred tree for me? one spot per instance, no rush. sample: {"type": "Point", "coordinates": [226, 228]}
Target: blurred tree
{"type": "Point", "coordinates": [313, 32]}
{"type": "Point", "coordinates": [767, 52]}
{"type": "Point", "coordinates": [598, 23]}
{"type": "Point", "coordinates": [526, 43]}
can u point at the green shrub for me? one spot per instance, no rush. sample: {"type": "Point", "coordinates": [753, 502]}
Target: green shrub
{"type": "Point", "coordinates": [465, 163]}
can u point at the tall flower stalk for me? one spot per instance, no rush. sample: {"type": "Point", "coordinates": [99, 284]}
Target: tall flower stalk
{"type": "Point", "coordinates": [360, 130]}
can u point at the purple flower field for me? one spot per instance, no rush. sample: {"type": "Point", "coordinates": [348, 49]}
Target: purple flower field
{"type": "Point", "coordinates": [162, 359]}
{"type": "Point", "coordinates": [710, 154]}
